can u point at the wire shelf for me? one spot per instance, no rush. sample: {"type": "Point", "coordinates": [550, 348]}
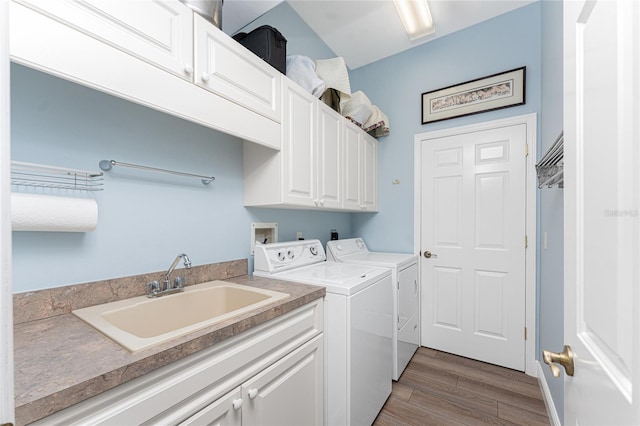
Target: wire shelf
{"type": "Point", "coordinates": [550, 168]}
{"type": "Point", "coordinates": [43, 176]}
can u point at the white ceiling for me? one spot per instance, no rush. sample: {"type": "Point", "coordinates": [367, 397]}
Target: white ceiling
{"type": "Point", "coordinates": [364, 31]}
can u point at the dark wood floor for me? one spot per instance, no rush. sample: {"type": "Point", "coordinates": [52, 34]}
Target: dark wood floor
{"type": "Point", "coordinates": [438, 388]}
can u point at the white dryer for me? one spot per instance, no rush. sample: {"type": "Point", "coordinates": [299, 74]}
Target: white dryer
{"type": "Point", "coordinates": [406, 300]}
{"type": "Point", "coordinates": [358, 326]}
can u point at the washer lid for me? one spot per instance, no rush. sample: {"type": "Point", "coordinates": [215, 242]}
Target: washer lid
{"type": "Point", "coordinates": [354, 250]}
{"type": "Point", "coordinates": [338, 278]}
{"type": "Point", "coordinates": [389, 260]}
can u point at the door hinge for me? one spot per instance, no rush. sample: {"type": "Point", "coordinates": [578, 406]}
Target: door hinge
{"type": "Point", "coordinates": [526, 241]}
{"type": "Point", "coordinates": [525, 333]}
{"type": "Point", "coordinates": [526, 149]}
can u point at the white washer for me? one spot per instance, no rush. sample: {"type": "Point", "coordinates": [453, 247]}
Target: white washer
{"type": "Point", "coordinates": [406, 301]}
{"type": "Point", "coordinates": [358, 326]}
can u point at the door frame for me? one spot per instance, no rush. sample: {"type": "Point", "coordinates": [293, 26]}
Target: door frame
{"type": "Point", "coordinates": [7, 414]}
{"type": "Point", "coordinates": [530, 121]}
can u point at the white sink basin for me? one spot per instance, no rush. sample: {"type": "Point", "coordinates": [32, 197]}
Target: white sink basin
{"type": "Point", "coordinates": [141, 322]}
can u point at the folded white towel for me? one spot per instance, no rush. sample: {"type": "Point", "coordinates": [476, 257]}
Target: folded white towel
{"type": "Point", "coordinates": [334, 73]}
{"type": "Point", "coordinates": [378, 123]}
{"type": "Point", "coordinates": [358, 108]}
{"type": "Point", "coordinates": [302, 70]}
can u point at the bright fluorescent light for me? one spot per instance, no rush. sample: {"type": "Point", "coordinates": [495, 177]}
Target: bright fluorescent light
{"type": "Point", "coordinates": [416, 17]}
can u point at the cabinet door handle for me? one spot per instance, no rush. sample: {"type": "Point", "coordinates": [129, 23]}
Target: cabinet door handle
{"type": "Point", "coordinates": [205, 76]}
{"type": "Point", "coordinates": [237, 403]}
{"type": "Point", "coordinates": [188, 68]}
{"type": "Point", "coordinates": [253, 393]}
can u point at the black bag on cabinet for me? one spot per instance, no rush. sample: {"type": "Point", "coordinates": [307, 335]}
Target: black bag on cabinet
{"type": "Point", "coordinates": [267, 43]}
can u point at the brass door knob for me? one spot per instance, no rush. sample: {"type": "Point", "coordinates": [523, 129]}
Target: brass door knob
{"type": "Point", "coordinates": [564, 358]}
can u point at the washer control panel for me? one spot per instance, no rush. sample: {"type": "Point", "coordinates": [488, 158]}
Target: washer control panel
{"type": "Point", "coordinates": [288, 255]}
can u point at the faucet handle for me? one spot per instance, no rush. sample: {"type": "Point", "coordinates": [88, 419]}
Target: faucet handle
{"type": "Point", "coordinates": [178, 282]}
{"type": "Point", "coordinates": [153, 288]}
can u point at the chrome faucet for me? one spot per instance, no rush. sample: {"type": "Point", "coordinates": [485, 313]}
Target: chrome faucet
{"type": "Point", "coordinates": [155, 289]}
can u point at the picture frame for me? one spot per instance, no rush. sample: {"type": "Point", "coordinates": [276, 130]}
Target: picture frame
{"type": "Point", "coordinates": [497, 91]}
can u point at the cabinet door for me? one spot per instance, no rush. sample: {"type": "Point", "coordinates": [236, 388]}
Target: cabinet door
{"type": "Point", "coordinates": [298, 148]}
{"type": "Point", "coordinates": [225, 67]}
{"type": "Point", "coordinates": [352, 166]}
{"type": "Point", "coordinates": [329, 152]}
{"type": "Point", "coordinates": [160, 33]}
{"type": "Point", "coordinates": [290, 392]}
{"type": "Point", "coordinates": [369, 198]}
{"type": "Point", "coordinates": [225, 411]}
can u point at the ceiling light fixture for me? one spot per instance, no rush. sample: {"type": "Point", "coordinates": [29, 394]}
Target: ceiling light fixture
{"type": "Point", "coordinates": [416, 17]}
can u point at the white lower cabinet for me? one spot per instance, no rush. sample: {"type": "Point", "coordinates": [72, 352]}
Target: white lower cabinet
{"type": "Point", "coordinates": [225, 411]}
{"type": "Point", "coordinates": [272, 374]}
{"type": "Point", "coordinates": [289, 386]}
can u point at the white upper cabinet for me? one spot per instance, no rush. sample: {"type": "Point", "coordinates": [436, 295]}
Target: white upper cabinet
{"type": "Point", "coordinates": [326, 162]}
{"type": "Point", "coordinates": [311, 150]}
{"type": "Point", "coordinates": [360, 169]}
{"type": "Point", "coordinates": [298, 146]}
{"type": "Point", "coordinates": [369, 200]}
{"type": "Point", "coordinates": [228, 69]}
{"type": "Point", "coordinates": [142, 51]}
{"type": "Point", "coordinates": [353, 167]}
{"type": "Point", "coordinates": [329, 157]}
{"type": "Point", "coordinates": [159, 32]}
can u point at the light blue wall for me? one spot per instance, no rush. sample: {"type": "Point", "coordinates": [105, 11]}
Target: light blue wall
{"type": "Point", "coordinates": [145, 219]}
{"type": "Point", "coordinates": [301, 40]}
{"type": "Point", "coordinates": [395, 85]}
{"type": "Point", "coordinates": [551, 298]}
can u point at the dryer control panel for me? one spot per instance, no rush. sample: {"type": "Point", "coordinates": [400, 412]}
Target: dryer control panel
{"type": "Point", "coordinates": [339, 248]}
{"type": "Point", "coordinates": [288, 255]}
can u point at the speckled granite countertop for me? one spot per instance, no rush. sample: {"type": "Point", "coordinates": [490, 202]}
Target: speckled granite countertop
{"type": "Point", "coordinates": [60, 360]}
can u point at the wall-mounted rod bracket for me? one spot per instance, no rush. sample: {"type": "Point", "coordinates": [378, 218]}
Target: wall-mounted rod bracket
{"type": "Point", "coordinates": [107, 165]}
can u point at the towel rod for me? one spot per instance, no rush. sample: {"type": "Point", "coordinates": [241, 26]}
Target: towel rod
{"type": "Point", "coordinates": [107, 165]}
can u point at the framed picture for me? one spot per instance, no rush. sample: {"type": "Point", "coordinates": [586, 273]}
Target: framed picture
{"type": "Point", "coordinates": [496, 91]}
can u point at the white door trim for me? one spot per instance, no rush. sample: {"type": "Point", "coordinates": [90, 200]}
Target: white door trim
{"type": "Point", "coordinates": [6, 295]}
{"type": "Point", "coordinates": [530, 120]}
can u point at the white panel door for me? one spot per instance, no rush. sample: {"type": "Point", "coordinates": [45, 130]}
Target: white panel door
{"type": "Point", "coordinates": [369, 173]}
{"type": "Point", "coordinates": [228, 69]}
{"type": "Point", "coordinates": [473, 221]}
{"type": "Point", "coordinates": [602, 212]}
{"type": "Point", "coordinates": [329, 151]}
{"type": "Point", "coordinates": [298, 148]}
{"type": "Point", "coordinates": [352, 158]}
{"type": "Point", "coordinates": [288, 393]}
{"type": "Point", "coordinates": [225, 411]}
{"type": "Point", "coordinates": [159, 32]}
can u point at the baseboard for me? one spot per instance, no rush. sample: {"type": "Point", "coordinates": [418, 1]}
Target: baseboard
{"type": "Point", "coordinates": [546, 394]}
